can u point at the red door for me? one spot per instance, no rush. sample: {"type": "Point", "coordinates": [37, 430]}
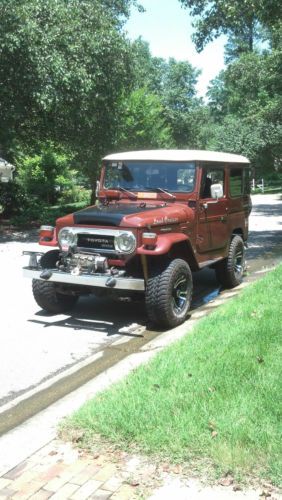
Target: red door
{"type": "Point", "coordinates": [212, 230]}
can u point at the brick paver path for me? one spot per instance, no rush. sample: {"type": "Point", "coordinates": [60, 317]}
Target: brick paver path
{"type": "Point", "coordinates": [59, 471]}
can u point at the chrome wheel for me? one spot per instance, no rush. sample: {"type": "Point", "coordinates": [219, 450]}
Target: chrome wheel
{"type": "Point", "coordinates": [230, 271]}
{"type": "Point", "coordinates": [239, 261]}
{"type": "Point", "coordinates": [180, 294]}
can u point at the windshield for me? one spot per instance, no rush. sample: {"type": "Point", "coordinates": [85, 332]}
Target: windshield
{"type": "Point", "coordinates": [146, 176]}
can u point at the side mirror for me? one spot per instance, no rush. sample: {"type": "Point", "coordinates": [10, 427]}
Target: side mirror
{"type": "Point", "coordinates": [216, 191]}
{"type": "Point", "coordinates": [97, 189]}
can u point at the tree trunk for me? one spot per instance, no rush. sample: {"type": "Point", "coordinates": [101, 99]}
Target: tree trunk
{"type": "Point", "coordinates": [251, 35]}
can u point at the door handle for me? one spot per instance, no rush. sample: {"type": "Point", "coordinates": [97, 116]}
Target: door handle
{"type": "Point", "coordinates": [207, 203]}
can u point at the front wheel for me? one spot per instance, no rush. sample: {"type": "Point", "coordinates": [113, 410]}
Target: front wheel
{"type": "Point", "coordinates": [49, 299]}
{"type": "Point", "coordinates": [229, 271]}
{"type": "Point", "coordinates": [168, 293]}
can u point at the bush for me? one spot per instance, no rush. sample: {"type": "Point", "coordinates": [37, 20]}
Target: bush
{"type": "Point", "coordinates": [38, 214]}
{"type": "Point", "coordinates": [76, 194]}
{"type": "Point", "coordinates": [13, 199]}
{"type": "Point", "coordinates": [45, 174]}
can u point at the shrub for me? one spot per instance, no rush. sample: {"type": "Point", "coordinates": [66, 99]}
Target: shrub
{"type": "Point", "coordinates": [45, 174]}
{"type": "Point", "coordinates": [75, 194]}
{"type": "Point", "coordinates": [13, 198]}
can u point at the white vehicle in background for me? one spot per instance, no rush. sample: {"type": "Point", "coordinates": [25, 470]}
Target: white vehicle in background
{"type": "Point", "coordinates": [6, 171]}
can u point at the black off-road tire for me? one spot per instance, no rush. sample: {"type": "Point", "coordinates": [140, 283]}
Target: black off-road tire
{"type": "Point", "coordinates": [229, 272]}
{"type": "Point", "coordinates": [49, 299]}
{"type": "Point", "coordinates": [168, 293]}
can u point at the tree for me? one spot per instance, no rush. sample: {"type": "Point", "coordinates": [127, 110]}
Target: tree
{"type": "Point", "coordinates": [238, 18]}
{"type": "Point", "coordinates": [148, 71]}
{"type": "Point", "coordinates": [251, 86]}
{"type": "Point", "coordinates": [121, 7]}
{"type": "Point", "coordinates": [260, 141]}
{"type": "Point", "coordinates": [244, 100]}
{"type": "Point", "coordinates": [246, 105]}
{"type": "Point", "coordinates": [217, 95]}
{"type": "Point", "coordinates": [246, 24]}
{"type": "Point", "coordinates": [180, 101]}
{"type": "Point", "coordinates": [174, 83]}
{"type": "Point", "coordinates": [64, 66]}
{"type": "Point", "coordinates": [143, 124]}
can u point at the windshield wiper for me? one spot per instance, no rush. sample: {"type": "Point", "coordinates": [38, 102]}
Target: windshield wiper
{"type": "Point", "coordinates": [118, 188]}
{"type": "Point", "coordinates": [161, 190]}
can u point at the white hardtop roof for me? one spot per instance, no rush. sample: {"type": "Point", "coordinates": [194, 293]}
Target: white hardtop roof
{"type": "Point", "coordinates": [177, 155]}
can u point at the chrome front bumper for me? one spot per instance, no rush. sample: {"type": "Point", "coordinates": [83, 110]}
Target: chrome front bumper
{"type": "Point", "coordinates": [92, 280]}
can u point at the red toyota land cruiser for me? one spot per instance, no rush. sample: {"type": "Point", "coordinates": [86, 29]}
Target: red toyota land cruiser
{"type": "Point", "coordinates": [160, 215]}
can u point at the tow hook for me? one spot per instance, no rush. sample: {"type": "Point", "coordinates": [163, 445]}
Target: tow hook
{"type": "Point", "coordinates": [111, 282]}
{"type": "Point", "coordinates": [46, 274]}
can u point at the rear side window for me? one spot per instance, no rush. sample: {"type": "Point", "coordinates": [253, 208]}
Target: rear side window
{"type": "Point", "coordinates": [236, 182]}
{"type": "Point", "coordinates": [247, 181]}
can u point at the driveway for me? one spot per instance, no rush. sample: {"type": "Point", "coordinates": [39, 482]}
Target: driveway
{"type": "Point", "coordinates": [36, 347]}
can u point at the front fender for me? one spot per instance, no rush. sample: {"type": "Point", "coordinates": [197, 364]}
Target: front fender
{"type": "Point", "coordinates": [164, 244]}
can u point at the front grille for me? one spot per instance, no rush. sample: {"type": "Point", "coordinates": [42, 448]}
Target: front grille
{"type": "Point", "coordinates": [96, 242]}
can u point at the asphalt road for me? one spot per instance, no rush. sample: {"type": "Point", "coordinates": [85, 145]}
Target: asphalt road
{"type": "Point", "coordinates": [37, 347]}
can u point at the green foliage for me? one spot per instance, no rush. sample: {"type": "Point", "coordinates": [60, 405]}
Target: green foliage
{"type": "Point", "coordinates": [180, 102]}
{"type": "Point", "coordinates": [174, 83]}
{"type": "Point", "coordinates": [237, 18]}
{"type": "Point", "coordinates": [75, 194]}
{"type": "Point", "coordinates": [70, 77]}
{"type": "Point", "coordinates": [12, 198]}
{"type": "Point", "coordinates": [143, 125]}
{"type": "Point", "coordinates": [63, 68]}
{"type": "Point", "coordinates": [217, 95]}
{"type": "Point", "coordinates": [245, 102]}
{"type": "Point", "coordinates": [239, 136]}
{"type": "Point", "coordinates": [253, 84]}
{"type": "Point", "coordinates": [45, 174]}
{"type": "Point", "coordinates": [148, 71]}
{"type": "Point", "coordinates": [36, 214]}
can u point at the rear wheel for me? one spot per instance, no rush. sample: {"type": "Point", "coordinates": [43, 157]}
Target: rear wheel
{"type": "Point", "coordinates": [229, 271]}
{"type": "Point", "coordinates": [49, 299]}
{"type": "Point", "coordinates": [168, 293]}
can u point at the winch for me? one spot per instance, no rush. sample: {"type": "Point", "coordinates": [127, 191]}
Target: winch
{"type": "Point", "coordinates": [78, 263]}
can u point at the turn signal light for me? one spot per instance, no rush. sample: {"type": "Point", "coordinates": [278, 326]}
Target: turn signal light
{"type": "Point", "coordinates": [46, 233]}
{"type": "Point", "coordinates": [149, 239]}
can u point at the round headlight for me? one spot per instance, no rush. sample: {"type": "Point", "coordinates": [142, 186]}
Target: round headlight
{"type": "Point", "coordinates": [125, 242]}
{"type": "Point", "coordinates": [67, 239]}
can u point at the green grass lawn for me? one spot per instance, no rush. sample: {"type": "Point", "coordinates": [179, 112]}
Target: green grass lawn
{"type": "Point", "coordinates": [214, 397]}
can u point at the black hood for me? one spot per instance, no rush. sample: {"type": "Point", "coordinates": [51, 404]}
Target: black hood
{"type": "Point", "coordinates": [109, 215]}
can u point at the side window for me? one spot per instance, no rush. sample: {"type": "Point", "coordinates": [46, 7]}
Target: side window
{"type": "Point", "coordinates": [211, 176]}
{"type": "Point", "coordinates": [236, 182]}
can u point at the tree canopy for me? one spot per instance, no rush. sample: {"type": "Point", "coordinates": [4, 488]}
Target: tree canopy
{"type": "Point", "coordinates": [73, 87]}
{"type": "Point", "coordinates": [64, 67]}
{"type": "Point", "coordinates": [235, 18]}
